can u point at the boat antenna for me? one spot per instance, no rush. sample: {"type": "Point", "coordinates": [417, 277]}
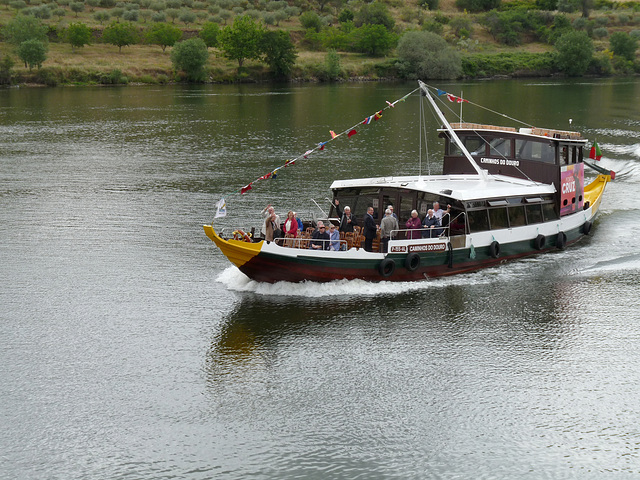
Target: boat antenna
{"type": "Point", "coordinates": [481, 173]}
{"type": "Point", "coordinates": [461, 103]}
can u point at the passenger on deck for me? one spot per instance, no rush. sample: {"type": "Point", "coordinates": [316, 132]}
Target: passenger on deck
{"type": "Point", "coordinates": [440, 213]}
{"type": "Point", "coordinates": [267, 213]}
{"type": "Point", "coordinates": [334, 236]}
{"type": "Point", "coordinates": [370, 230]}
{"type": "Point", "coordinates": [387, 225]}
{"type": "Point", "coordinates": [300, 225]}
{"type": "Point", "coordinates": [390, 207]}
{"type": "Point", "coordinates": [320, 238]}
{"type": "Point", "coordinates": [271, 228]}
{"type": "Point", "coordinates": [347, 220]}
{"type": "Point", "coordinates": [414, 225]}
{"type": "Point", "coordinates": [291, 225]}
{"type": "Point", "coordinates": [431, 222]}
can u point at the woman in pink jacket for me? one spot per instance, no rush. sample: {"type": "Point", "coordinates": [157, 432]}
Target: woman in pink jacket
{"type": "Point", "coordinates": [414, 224]}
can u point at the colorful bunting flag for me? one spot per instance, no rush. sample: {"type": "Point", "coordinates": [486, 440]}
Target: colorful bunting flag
{"type": "Point", "coordinates": [221, 208]}
{"type": "Point", "coordinates": [352, 133]}
{"type": "Point", "coordinates": [441, 92]}
{"type": "Point", "coordinates": [595, 152]}
{"type": "Point", "coordinates": [378, 116]}
{"type": "Point", "coordinates": [333, 134]}
{"type": "Point", "coordinates": [321, 145]}
{"type": "Point", "coordinates": [245, 189]}
{"type": "Point", "coordinates": [392, 105]}
{"type": "Point", "coordinates": [367, 120]}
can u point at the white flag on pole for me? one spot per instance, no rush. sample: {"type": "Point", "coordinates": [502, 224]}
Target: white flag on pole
{"type": "Point", "coordinates": [221, 208]}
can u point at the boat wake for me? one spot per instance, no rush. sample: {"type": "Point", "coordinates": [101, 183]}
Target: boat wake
{"type": "Point", "coordinates": [234, 280]}
{"type": "Point", "coordinates": [623, 263]}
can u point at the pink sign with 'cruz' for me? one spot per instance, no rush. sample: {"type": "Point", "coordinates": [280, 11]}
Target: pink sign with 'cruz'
{"type": "Point", "coordinates": [571, 188]}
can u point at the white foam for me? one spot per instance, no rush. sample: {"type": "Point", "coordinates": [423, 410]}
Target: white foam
{"type": "Point", "coordinates": [233, 279]}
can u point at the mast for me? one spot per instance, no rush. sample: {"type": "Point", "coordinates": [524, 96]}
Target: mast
{"type": "Point", "coordinates": [481, 173]}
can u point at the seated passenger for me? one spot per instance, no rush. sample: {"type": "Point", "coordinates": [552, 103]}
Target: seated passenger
{"type": "Point", "coordinates": [414, 223]}
{"type": "Point", "coordinates": [320, 238]}
{"type": "Point", "coordinates": [334, 236]}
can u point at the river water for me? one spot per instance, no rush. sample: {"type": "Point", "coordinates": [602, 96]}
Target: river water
{"type": "Point", "coordinates": [132, 349]}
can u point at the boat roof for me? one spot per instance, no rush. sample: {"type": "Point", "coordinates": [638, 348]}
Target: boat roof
{"type": "Point", "coordinates": [460, 187]}
{"type": "Point", "coordinates": [538, 133]}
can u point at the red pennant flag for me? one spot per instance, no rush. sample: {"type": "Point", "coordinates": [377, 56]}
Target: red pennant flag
{"type": "Point", "coordinates": [244, 190]}
{"type": "Point", "coordinates": [352, 133]}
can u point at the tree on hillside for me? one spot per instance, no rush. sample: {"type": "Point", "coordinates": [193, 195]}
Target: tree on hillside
{"type": "Point", "coordinates": [120, 34]}
{"type": "Point", "coordinates": [22, 28]}
{"type": "Point", "coordinates": [575, 51]}
{"type": "Point", "coordinates": [242, 40]}
{"type": "Point", "coordinates": [375, 13]}
{"type": "Point", "coordinates": [190, 56]}
{"type": "Point", "coordinates": [280, 52]}
{"type": "Point", "coordinates": [427, 55]}
{"type": "Point", "coordinates": [32, 52]}
{"type": "Point", "coordinates": [78, 35]}
{"type": "Point", "coordinates": [164, 34]}
{"type": "Point", "coordinates": [623, 45]}
{"type": "Point", "coordinates": [373, 40]}
{"type": "Point", "coordinates": [77, 7]}
{"type": "Point", "coordinates": [209, 34]}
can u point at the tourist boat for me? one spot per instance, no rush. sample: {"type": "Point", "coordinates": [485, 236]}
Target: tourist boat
{"type": "Point", "coordinates": [512, 193]}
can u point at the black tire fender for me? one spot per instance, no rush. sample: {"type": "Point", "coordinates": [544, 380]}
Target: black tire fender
{"type": "Point", "coordinates": [494, 249]}
{"type": "Point", "coordinates": [412, 262]}
{"type": "Point", "coordinates": [561, 241]}
{"type": "Point", "coordinates": [539, 242]}
{"type": "Point", "coordinates": [586, 227]}
{"type": "Point", "coordinates": [387, 267]}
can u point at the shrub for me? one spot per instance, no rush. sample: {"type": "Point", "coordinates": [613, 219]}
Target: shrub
{"type": "Point", "coordinates": [163, 34]}
{"type": "Point", "coordinates": [280, 53]}
{"type": "Point", "coordinates": [600, 32]}
{"type": "Point", "coordinates": [373, 39]}
{"type": "Point", "coordinates": [78, 35]}
{"type": "Point", "coordinates": [190, 56]}
{"type": "Point", "coordinates": [575, 51]}
{"type": "Point", "coordinates": [332, 65]}
{"type": "Point", "coordinates": [623, 45]}
{"type": "Point", "coordinates": [375, 13]}
{"type": "Point", "coordinates": [311, 20]}
{"type": "Point", "coordinates": [209, 34]}
{"type": "Point", "coordinates": [426, 55]}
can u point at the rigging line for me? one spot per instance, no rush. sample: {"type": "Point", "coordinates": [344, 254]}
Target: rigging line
{"type": "Point", "coordinates": [487, 109]}
{"type": "Point", "coordinates": [423, 123]}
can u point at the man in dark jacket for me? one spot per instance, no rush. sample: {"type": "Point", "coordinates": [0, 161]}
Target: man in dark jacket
{"type": "Point", "coordinates": [347, 220]}
{"type": "Point", "coordinates": [370, 230]}
{"type": "Point", "coordinates": [320, 238]}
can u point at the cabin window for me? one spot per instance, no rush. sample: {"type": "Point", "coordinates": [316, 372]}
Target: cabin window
{"type": "Point", "coordinates": [406, 205]}
{"type": "Point", "coordinates": [534, 213]}
{"type": "Point", "coordinates": [473, 143]}
{"type": "Point", "coordinates": [549, 212]}
{"type": "Point", "coordinates": [539, 151]}
{"type": "Point", "coordinates": [516, 216]}
{"type": "Point", "coordinates": [498, 218]}
{"type": "Point", "coordinates": [500, 147]}
{"type": "Point", "coordinates": [478, 221]}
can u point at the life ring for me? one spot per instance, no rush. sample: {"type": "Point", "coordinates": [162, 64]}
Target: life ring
{"type": "Point", "coordinates": [539, 242]}
{"type": "Point", "coordinates": [561, 241]}
{"type": "Point", "coordinates": [586, 227]}
{"type": "Point", "coordinates": [494, 249]}
{"type": "Point", "coordinates": [412, 262]}
{"type": "Point", "coordinates": [241, 235]}
{"type": "Point", "coordinates": [387, 267]}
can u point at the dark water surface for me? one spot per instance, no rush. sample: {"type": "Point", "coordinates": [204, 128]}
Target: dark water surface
{"type": "Point", "coordinates": [132, 350]}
